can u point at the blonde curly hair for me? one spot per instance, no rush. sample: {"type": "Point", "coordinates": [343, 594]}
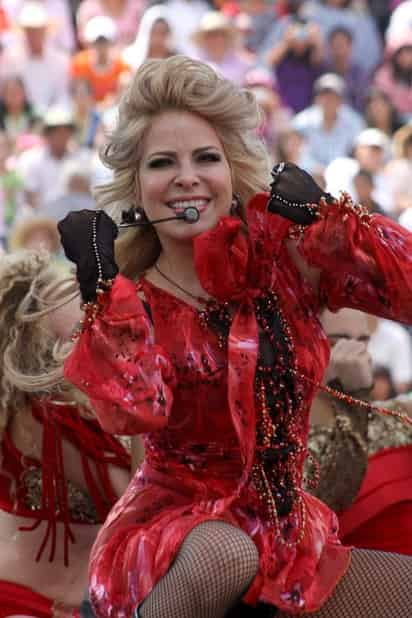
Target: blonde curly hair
{"type": "Point", "coordinates": [177, 83]}
{"type": "Point", "coordinates": [31, 355]}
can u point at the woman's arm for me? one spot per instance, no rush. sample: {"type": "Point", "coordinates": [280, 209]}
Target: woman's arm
{"type": "Point", "coordinates": [127, 377]}
{"type": "Point", "coordinates": [115, 361]}
{"type": "Point", "coordinates": [352, 259]}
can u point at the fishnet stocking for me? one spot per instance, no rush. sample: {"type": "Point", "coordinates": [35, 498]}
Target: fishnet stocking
{"type": "Point", "coordinates": [214, 567]}
{"type": "Point", "coordinates": [377, 585]}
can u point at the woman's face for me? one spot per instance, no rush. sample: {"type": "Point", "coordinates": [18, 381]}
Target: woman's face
{"type": "Point", "coordinates": [160, 36]}
{"type": "Point", "coordinates": [378, 108]}
{"type": "Point", "coordinates": [216, 43]}
{"type": "Point", "coordinates": [13, 93]}
{"type": "Point", "coordinates": [404, 58]}
{"type": "Point", "coordinates": [183, 164]}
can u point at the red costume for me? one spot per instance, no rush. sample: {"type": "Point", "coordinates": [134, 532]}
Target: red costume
{"type": "Point", "coordinates": [223, 395]}
{"type": "Point", "coordinates": [380, 517]}
{"type": "Point", "coordinates": [39, 490]}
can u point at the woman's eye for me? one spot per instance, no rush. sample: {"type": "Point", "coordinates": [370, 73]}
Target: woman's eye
{"type": "Point", "coordinates": [209, 157]}
{"type": "Point", "coordinates": [158, 163]}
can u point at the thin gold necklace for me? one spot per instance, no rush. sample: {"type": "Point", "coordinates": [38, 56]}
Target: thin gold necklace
{"type": "Point", "coordinates": [198, 299]}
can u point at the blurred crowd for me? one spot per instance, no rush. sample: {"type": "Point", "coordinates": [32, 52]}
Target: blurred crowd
{"type": "Point", "coordinates": [333, 78]}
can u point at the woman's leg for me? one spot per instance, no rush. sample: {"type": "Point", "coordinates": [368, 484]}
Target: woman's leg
{"type": "Point", "coordinates": [214, 567]}
{"type": "Point", "coordinates": [377, 585]}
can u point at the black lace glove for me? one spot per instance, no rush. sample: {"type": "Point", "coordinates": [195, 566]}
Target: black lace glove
{"type": "Point", "coordinates": [88, 239]}
{"type": "Point", "coordinates": [295, 195]}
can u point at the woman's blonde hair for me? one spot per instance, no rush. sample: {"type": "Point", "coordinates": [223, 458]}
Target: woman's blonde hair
{"type": "Point", "coordinates": [177, 83]}
{"type": "Point", "coordinates": [31, 355]}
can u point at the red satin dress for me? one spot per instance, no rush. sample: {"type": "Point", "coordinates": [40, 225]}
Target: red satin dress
{"type": "Point", "coordinates": [222, 397]}
{"type": "Point", "coordinates": [380, 517]}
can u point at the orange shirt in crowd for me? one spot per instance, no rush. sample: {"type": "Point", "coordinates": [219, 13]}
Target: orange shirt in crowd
{"type": "Point", "coordinates": [103, 82]}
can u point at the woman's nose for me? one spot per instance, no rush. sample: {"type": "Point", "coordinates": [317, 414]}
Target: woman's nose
{"type": "Point", "coordinates": [187, 177]}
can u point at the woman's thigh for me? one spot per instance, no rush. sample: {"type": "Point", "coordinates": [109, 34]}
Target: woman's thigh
{"type": "Point", "coordinates": [376, 585]}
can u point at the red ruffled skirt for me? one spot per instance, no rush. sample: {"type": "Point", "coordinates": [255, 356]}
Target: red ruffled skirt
{"type": "Point", "coordinates": [144, 531]}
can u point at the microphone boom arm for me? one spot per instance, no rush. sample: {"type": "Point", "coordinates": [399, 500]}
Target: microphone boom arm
{"type": "Point", "coordinates": [189, 215]}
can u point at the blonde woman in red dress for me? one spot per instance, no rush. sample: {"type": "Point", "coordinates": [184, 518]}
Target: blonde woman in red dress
{"type": "Point", "coordinates": [203, 335]}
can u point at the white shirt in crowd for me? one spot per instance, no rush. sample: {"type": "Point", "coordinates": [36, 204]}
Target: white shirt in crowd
{"type": "Point", "coordinates": [61, 31]}
{"type": "Point", "coordinates": [390, 346]}
{"type": "Point", "coordinates": [339, 176]}
{"type": "Point", "coordinates": [44, 175]}
{"type": "Point", "coordinates": [184, 17]}
{"type": "Point", "coordinates": [46, 79]}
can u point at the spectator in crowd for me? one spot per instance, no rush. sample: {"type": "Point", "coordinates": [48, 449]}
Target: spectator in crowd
{"type": "Point", "coordinates": [185, 16]}
{"type": "Point", "coordinates": [35, 233]}
{"type": "Point", "coordinates": [364, 186]}
{"type": "Point", "coordinates": [76, 194]}
{"type": "Point", "coordinates": [61, 35]}
{"type": "Point", "coordinates": [261, 18]}
{"type": "Point", "coordinates": [276, 116]}
{"type": "Point", "coordinates": [383, 385]}
{"type": "Point", "coordinates": [100, 63]}
{"type": "Point", "coordinates": [42, 168]}
{"type": "Point", "coordinates": [390, 347]}
{"type": "Point", "coordinates": [340, 61]}
{"type": "Point", "coordinates": [292, 146]}
{"type": "Point", "coordinates": [215, 40]}
{"type": "Point", "coordinates": [44, 70]}
{"type": "Point", "coordinates": [11, 187]}
{"type": "Point", "coordinates": [394, 77]}
{"type": "Point", "coordinates": [371, 152]}
{"type": "Point", "coordinates": [126, 15]}
{"type": "Point", "coordinates": [332, 14]}
{"type": "Point", "coordinates": [297, 58]}
{"type": "Point", "coordinates": [399, 172]}
{"type": "Point", "coordinates": [330, 126]}
{"type": "Point", "coordinates": [86, 115]}
{"type": "Point", "coordinates": [17, 115]}
{"type": "Point", "coordinates": [154, 38]}
{"type": "Point", "coordinates": [380, 113]}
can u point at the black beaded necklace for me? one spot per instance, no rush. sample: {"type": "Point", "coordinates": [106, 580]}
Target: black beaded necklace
{"type": "Point", "coordinates": [198, 299]}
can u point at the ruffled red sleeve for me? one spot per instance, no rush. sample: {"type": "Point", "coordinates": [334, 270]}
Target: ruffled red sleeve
{"type": "Point", "coordinates": [127, 377]}
{"type": "Point", "coordinates": [365, 262]}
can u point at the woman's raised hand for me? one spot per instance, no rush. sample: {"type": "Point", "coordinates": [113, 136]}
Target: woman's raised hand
{"type": "Point", "coordinates": [294, 194]}
{"type": "Point", "coordinates": [88, 239]}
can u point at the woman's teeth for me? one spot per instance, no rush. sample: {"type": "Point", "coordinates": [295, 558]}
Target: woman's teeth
{"type": "Point", "coordinates": [188, 204]}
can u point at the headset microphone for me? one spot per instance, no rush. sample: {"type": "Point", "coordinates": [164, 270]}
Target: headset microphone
{"type": "Point", "coordinates": [132, 218]}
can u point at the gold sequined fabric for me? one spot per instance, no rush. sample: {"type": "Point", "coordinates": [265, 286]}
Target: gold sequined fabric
{"type": "Point", "coordinates": [342, 450]}
{"type": "Point", "coordinates": [81, 507]}
{"type": "Point", "coordinates": [342, 454]}
{"type": "Point", "coordinates": [387, 431]}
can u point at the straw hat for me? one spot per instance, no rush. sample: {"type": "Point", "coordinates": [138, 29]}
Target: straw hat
{"type": "Point", "coordinates": [32, 224]}
{"type": "Point", "coordinates": [213, 21]}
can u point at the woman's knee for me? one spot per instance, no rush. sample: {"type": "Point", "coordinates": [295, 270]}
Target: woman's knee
{"type": "Point", "coordinates": [226, 551]}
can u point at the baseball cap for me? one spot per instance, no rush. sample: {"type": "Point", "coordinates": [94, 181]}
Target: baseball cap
{"type": "Point", "coordinates": [57, 116]}
{"type": "Point", "coordinates": [331, 82]}
{"type": "Point", "coordinates": [373, 137]}
{"type": "Point", "coordinates": [33, 15]}
{"type": "Point", "coordinates": [100, 27]}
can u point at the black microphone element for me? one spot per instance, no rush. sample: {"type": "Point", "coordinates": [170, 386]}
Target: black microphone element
{"type": "Point", "coordinates": [189, 215]}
